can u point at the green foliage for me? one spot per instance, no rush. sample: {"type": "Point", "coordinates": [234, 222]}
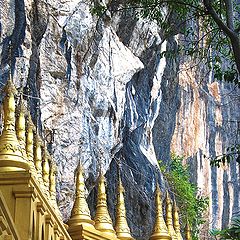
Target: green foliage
{"type": "Point", "coordinates": [186, 193]}
{"type": "Point", "coordinates": [203, 38]}
{"type": "Point", "coordinates": [98, 9]}
{"type": "Point", "coordinates": [232, 152]}
{"type": "Point", "coordinates": [231, 233]}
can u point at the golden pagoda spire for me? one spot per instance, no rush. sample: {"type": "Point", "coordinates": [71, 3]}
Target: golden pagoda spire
{"type": "Point", "coordinates": [20, 123]}
{"type": "Point", "coordinates": [46, 170]}
{"type": "Point", "coordinates": [169, 219]}
{"type": "Point", "coordinates": [103, 221]}
{"type": "Point", "coordinates": [11, 152]}
{"type": "Point", "coordinates": [160, 231]}
{"type": "Point", "coordinates": [29, 144]}
{"type": "Point", "coordinates": [52, 188]}
{"type": "Point", "coordinates": [122, 229]}
{"type": "Point", "coordinates": [176, 223]}
{"type": "Point", "coordinates": [188, 231]}
{"type": "Point", "coordinates": [38, 157]}
{"type": "Point", "coordinates": [80, 212]}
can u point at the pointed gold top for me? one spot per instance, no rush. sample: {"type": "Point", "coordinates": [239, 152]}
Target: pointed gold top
{"type": "Point", "coordinates": [29, 144]}
{"type": "Point", "coordinates": [160, 231]}
{"type": "Point", "coordinates": [176, 223]}
{"type": "Point", "coordinates": [11, 152]}
{"type": "Point", "coordinates": [38, 154]}
{"type": "Point", "coordinates": [103, 221]}
{"type": "Point", "coordinates": [53, 172]}
{"type": "Point", "coordinates": [188, 231]}
{"type": "Point", "coordinates": [29, 141]}
{"type": "Point", "coordinates": [21, 125]}
{"type": "Point", "coordinates": [122, 228]}
{"type": "Point", "coordinates": [80, 212]}
{"type": "Point", "coordinates": [169, 219]}
{"type": "Point", "coordinates": [46, 167]}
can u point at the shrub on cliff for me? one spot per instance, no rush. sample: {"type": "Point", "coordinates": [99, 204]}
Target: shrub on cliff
{"type": "Point", "coordinates": [186, 193]}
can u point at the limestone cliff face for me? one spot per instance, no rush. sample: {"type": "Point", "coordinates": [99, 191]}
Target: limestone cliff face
{"type": "Point", "coordinates": [101, 92]}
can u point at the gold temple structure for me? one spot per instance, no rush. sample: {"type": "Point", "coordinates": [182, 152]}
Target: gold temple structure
{"type": "Point", "coordinates": [28, 207]}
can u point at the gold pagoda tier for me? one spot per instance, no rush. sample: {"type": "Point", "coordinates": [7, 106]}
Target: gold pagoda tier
{"type": "Point", "coordinates": [160, 231]}
{"type": "Point", "coordinates": [122, 228]}
{"type": "Point", "coordinates": [188, 232]}
{"type": "Point", "coordinates": [11, 151]}
{"type": "Point", "coordinates": [169, 219]}
{"type": "Point", "coordinates": [176, 223]}
{"type": "Point", "coordinates": [103, 221]}
{"type": "Point", "coordinates": [80, 213]}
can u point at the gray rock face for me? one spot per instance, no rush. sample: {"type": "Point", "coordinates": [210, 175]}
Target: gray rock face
{"type": "Point", "coordinates": [101, 92]}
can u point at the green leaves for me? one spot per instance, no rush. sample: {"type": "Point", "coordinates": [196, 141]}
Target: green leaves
{"type": "Point", "coordinates": [98, 9]}
{"type": "Point", "coordinates": [231, 233]}
{"type": "Point", "coordinates": [232, 152]}
{"type": "Point", "coordinates": [185, 193]}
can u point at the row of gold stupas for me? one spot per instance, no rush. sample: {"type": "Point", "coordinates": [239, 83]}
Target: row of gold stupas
{"type": "Point", "coordinates": [21, 149]}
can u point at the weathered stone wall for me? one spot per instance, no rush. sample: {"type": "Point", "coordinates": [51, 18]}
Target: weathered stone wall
{"type": "Point", "coordinates": [101, 93]}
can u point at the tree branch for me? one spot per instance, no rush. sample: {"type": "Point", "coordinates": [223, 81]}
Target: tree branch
{"type": "Point", "coordinates": [217, 19]}
{"type": "Point", "coordinates": [229, 14]}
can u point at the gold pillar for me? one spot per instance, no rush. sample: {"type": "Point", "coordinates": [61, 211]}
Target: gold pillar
{"type": "Point", "coordinates": [122, 229]}
{"type": "Point", "coordinates": [11, 152]}
{"type": "Point", "coordinates": [188, 231]}
{"type": "Point", "coordinates": [169, 219]}
{"type": "Point", "coordinates": [80, 212]}
{"type": "Point", "coordinates": [160, 231]}
{"type": "Point", "coordinates": [176, 223]}
{"type": "Point", "coordinates": [103, 221]}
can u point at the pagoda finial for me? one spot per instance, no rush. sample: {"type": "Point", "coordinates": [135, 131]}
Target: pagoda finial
{"type": "Point", "coordinates": [46, 170]}
{"type": "Point", "coordinates": [11, 152]}
{"type": "Point", "coordinates": [29, 144]}
{"type": "Point", "coordinates": [176, 223]}
{"type": "Point", "coordinates": [52, 188]}
{"type": "Point", "coordinates": [188, 231]}
{"type": "Point", "coordinates": [160, 231]}
{"type": "Point", "coordinates": [38, 157]}
{"type": "Point", "coordinates": [103, 221]}
{"type": "Point", "coordinates": [169, 219]}
{"type": "Point", "coordinates": [80, 212]}
{"type": "Point", "coordinates": [122, 228]}
{"type": "Point", "coordinates": [21, 123]}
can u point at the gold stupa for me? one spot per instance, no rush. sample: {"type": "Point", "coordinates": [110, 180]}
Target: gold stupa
{"type": "Point", "coordinates": [80, 212]}
{"type": "Point", "coordinates": [169, 219]}
{"type": "Point", "coordinates": [122, 228]}
{"type": "Point", "coordinates": [103, 221]}
{"type": "Point", "coordinates": [160, 231]}
{"type": "Point", "coordinates": [188, 232]}
{"type": "Point", "coordinates": [29, 143]}
{"type": "Point", "coordinates": [176, 223]}
{"type": "Point", "coordinates": [11, 151]}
